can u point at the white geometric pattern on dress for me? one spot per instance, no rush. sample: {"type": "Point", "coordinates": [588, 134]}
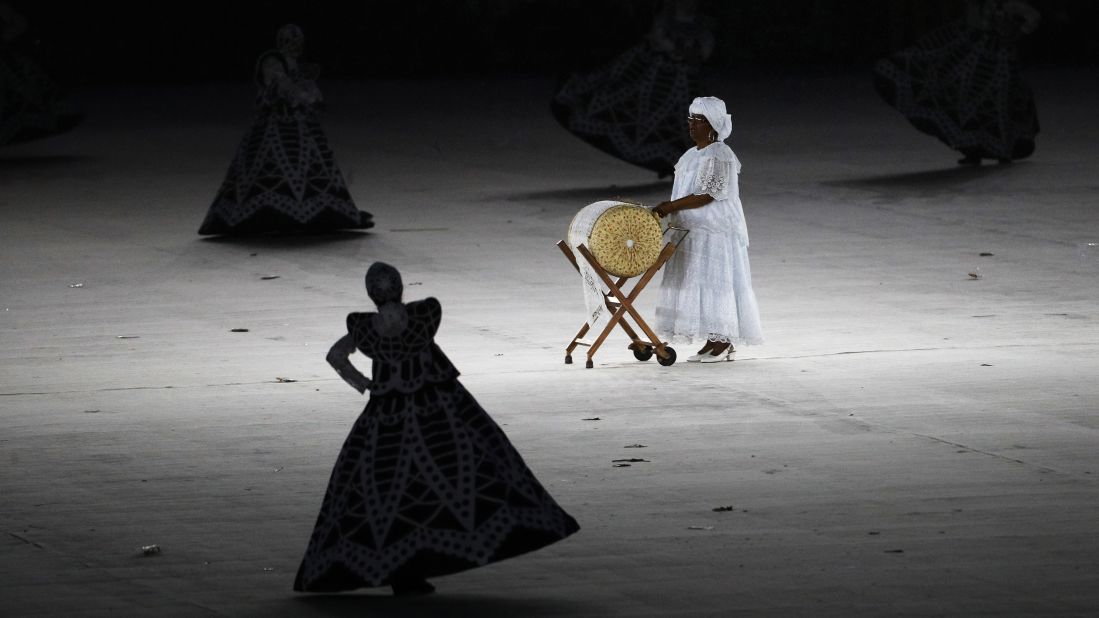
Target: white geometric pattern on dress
{"type": "Point", "coordinates": [426, 483]}
{"type": "Point", "coordinates": [961, 84]}
{"type": "Point", "coordinates": [284, 176]}
{"type": "Point", "coordinates": [632, 108]}
{"type": "Point", "coordinates": [32, 105]}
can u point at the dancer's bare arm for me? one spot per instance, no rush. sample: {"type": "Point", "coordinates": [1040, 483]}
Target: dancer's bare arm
{"type": "Point", "coordinates": [339, 357]}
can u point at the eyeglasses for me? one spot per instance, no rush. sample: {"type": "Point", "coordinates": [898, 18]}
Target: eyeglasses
{"type": "Point", "coordinates": [691, 119]}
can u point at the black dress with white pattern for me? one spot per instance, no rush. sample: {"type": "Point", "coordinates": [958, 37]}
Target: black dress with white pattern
{"type": "Point", "coordinates": [284, 176]}
{"type": "Point", "coordinates": [635, 107]}
{"type": "Point", "coordinates": [32, 104]}
{"type": "Point", "coordinates": [426, 483]}
{"type": "Point", "coordinates": [961, 84]}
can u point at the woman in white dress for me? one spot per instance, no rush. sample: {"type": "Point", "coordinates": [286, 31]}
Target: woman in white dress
{"type": "Point", "coordinates": [706, 294]}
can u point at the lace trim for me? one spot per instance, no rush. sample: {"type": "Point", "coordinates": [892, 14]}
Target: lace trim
{"type": "Point", "coordinates": [717, 338]}
{"type": "Point", "coordinates": [713, 178]}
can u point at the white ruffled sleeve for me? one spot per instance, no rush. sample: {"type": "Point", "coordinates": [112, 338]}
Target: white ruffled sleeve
{"type": "Point", "coordinates": [714, 177]}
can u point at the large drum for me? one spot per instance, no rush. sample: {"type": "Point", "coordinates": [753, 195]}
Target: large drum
{"type": "Point", "coordinates": [625, 239]}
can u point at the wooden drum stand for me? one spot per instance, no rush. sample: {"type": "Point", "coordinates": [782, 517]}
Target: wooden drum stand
{"type": "Point", "coordinates": [619, 304]}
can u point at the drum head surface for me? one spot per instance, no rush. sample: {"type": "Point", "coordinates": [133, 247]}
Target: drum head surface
{"type": "Point", "coordinates": [626, 240]}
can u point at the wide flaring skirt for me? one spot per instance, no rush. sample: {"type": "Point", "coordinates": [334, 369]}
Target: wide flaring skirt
{"type": "Point", "coordinates": [962, 85]}
{"type": "Point", "coordinates": [426, 484]}
{"type": "Point", "coordinates": [634, 108]}
{"type": "Point", "coordinates": [283, 178]}
{"type": "Point", "coordinates": [32, 105]}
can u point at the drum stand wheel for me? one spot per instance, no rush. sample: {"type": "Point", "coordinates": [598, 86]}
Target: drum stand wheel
{"type": "Point", "coordinates": [619, 303]}
{"type": "Point", "coordinates": [646, 352]}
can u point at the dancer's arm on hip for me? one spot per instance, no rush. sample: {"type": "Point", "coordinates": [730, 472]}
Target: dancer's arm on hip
{"type": "Point", "coordinates": [339, 358]}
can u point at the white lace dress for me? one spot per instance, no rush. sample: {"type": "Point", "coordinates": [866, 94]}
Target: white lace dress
{"type": "Point", "coordinates": [706, 293]}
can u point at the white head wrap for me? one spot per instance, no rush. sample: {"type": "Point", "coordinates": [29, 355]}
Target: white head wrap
{"type": "Point", "coordinates": [713, 109]}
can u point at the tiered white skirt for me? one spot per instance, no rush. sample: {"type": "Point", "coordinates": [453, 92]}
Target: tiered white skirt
{"type": "Point", "coordinates": [706, 293]}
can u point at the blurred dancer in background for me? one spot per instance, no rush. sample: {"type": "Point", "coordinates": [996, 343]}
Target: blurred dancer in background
{"type": "Point", "coordinates": [632, 108]}
{"type": "Point", "coordinates": [961, 83]}
{"type": "Point", "coordinates": [32, 105]}
{"type": "Point", "coordinates": [284, 176]}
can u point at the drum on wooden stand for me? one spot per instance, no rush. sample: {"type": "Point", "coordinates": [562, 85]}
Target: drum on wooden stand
{"type": "Point", "coordinates": [624, 240]}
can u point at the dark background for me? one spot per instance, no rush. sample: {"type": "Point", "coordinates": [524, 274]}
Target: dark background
{"type": "Point", "coordinates": [149, 42]}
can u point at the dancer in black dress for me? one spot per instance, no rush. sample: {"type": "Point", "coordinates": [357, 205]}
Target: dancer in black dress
{"type": "Point", "coordinates": [426, 483]}
{"type": "Point", "coordinates": [632, 108]}
{"type": "Point", "coordinates": [32, 105]}
{"type": "Point", "coordinates": [284, 176]}
{"type": "Point", "coordinates": [961, 83]}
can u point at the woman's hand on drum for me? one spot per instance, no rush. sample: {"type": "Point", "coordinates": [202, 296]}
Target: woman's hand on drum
{"type": "Point", "coordinates": [663, 209]}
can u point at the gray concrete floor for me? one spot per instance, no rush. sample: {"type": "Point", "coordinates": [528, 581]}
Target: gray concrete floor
{"type": "Point", "coordinates": [910, 441]}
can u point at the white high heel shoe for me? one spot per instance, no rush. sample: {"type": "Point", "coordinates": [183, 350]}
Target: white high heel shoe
{"type": "Point", "coordinates": [696, 358]}
{"type": "Point", "coordinates": [727, 355]}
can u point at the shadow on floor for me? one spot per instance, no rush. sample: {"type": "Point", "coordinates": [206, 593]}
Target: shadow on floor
{"type": "Point", "coordinates": [594, 194]}
{"type": "Point", "coordinates": [440, 604]}
{"type": "Point", "coordinates": [34, 162]}
{"type": "Point", "coordinates": [288, 241]}
{"type": "Point", "coordinates": [926, 183]}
